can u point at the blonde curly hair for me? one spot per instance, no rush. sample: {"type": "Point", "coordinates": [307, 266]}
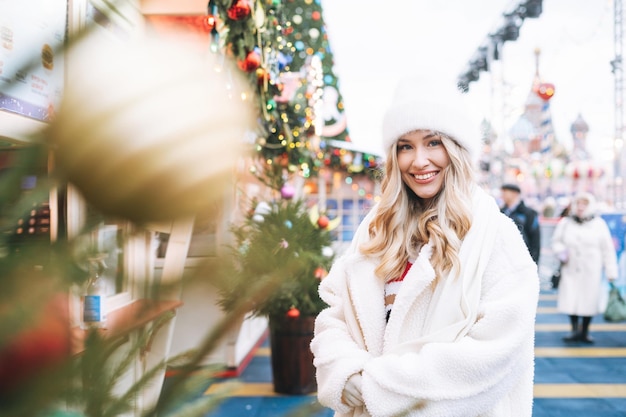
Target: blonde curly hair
{"type": "Point", "coordinates": [404, 222]}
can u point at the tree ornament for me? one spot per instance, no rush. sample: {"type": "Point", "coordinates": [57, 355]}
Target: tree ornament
{"type": "Point", "coordinates": [320, 272]}
{"type": "Point", "coordinates": [239, 10]}
{"type": "Point", "coordinates": [262, 75]}
{"type": "Point", "coordinates": [210, 22]}
{"type": "Point", "coordinates": [293, 313]}
{"type": "Point", "coordinates": [283, 60]}
{"type": "Point", "coordinates": [327, 251]}
{"type": "Point", "coordinates": [39, 347]}
{"type": "Point", "coordinates": [262, 208]}
{"type": "Point", "coordinates": [545, 91]}
{"type": "Point", "coordinates": [139, 182]}
{"type": "Point", "coordinates": [314, 33]}
{"type": "Point", "coordinates": [323, 222]}
{"type": "Point", "coordinates": [251, 62]}
{"type": "Point", "coordinates": [287, 191]}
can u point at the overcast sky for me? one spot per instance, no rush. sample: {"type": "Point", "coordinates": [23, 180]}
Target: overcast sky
{"type": "Point", "coordinates": [377, 43]}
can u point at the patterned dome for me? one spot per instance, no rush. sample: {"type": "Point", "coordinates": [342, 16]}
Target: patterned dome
{"type": "Point", "coordinates": [579, 125]}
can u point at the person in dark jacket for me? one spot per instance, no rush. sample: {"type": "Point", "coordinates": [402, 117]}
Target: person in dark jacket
{"type": "Point", "coordinates": [526, 219]}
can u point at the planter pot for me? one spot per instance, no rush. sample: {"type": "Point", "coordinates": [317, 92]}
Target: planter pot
{"type": "Point", "coordinates": [292, 359]}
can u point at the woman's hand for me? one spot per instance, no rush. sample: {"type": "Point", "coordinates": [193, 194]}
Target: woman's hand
{"type": "Point", "coordinates": [352, 391]}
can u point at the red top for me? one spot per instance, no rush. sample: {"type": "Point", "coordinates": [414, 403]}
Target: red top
{"type": "Point", "coordinates": [406, 269]}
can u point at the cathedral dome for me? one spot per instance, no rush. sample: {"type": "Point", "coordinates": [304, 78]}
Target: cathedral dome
{"type": "Point", "coordinates": [579, 125]}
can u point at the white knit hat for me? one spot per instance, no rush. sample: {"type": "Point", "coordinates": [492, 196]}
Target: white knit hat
{"type": "Point", "coordinates": [420, 105]}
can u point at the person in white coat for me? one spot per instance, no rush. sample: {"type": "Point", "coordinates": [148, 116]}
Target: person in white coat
{"type": "Point", "coordinates": [431, 310]}
{"type": "Point", "coordinates": [582, 241]}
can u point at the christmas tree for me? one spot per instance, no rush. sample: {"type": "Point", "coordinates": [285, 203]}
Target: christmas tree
{"type": "Point", "coordinates": [284, 48]}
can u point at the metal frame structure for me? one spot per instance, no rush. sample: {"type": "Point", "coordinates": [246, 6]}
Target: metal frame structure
{"type": "Point", "coordinates": [490, 50]}
{"type": "Point", "coordinates": [618, 74]}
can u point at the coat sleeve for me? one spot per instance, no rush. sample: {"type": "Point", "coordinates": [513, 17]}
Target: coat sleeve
{"type": "Point", "coordinates": [558, 243]}
{"type": "Point", "coordinates": [534, 235]}
{"type": "Point", "coordinates": [337, 354]}
{"type": "Point", "coordinates": [609, 254]}
{"type": "Point", "coordinates": [477, 372]}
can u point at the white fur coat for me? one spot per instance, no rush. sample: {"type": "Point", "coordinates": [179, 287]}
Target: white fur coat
{"type": "Point", "coordinates": [591, 254]}
{"type": "Point", "coordinates": [448, 350]}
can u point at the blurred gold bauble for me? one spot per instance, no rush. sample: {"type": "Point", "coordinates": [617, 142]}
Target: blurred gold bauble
{"type": "Point", "coordinates": [147, 130]}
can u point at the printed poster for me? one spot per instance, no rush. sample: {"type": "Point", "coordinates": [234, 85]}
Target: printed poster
{"type": "Point", "coordinates": [31, 67]}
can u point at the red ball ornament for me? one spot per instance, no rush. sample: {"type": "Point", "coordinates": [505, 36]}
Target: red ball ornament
{"type": "Point", "coordinates": [320, 273]}
{"type": "Point", "coordinates": [323, 222]}
{"type": "Point", "coordinates": [240, 9]}
{"type": "Point", "coordinates": [42, 346]}
{"type": "Point", "coordinates": [250, 63]}
{"type": "Point", "coordinates": [293, 313]}
{"type": "Point", "coordinates": [545, 91]}
{"type": "Point", "coordinates": [316, 15]}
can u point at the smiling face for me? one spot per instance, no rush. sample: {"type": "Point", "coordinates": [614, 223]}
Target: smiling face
{"type": "Point", "coordinates": [422, 158]}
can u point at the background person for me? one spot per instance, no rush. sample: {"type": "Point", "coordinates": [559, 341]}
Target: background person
{"type": "Point", "coordinates": [432, 308]}
{"type": "Point", "coordinates": [526, 219]}
{"type": "Point", "coordinates": [582, 241]}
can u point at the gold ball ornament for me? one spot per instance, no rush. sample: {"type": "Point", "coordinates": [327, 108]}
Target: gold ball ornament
{"type": "Point", "coordinates": [147, 130]}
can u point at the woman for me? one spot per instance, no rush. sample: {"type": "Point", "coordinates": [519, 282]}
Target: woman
{"type": "Point", "coordinates": [583, 244]}
{"type": "Point", "coordinates": [432, 309]}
